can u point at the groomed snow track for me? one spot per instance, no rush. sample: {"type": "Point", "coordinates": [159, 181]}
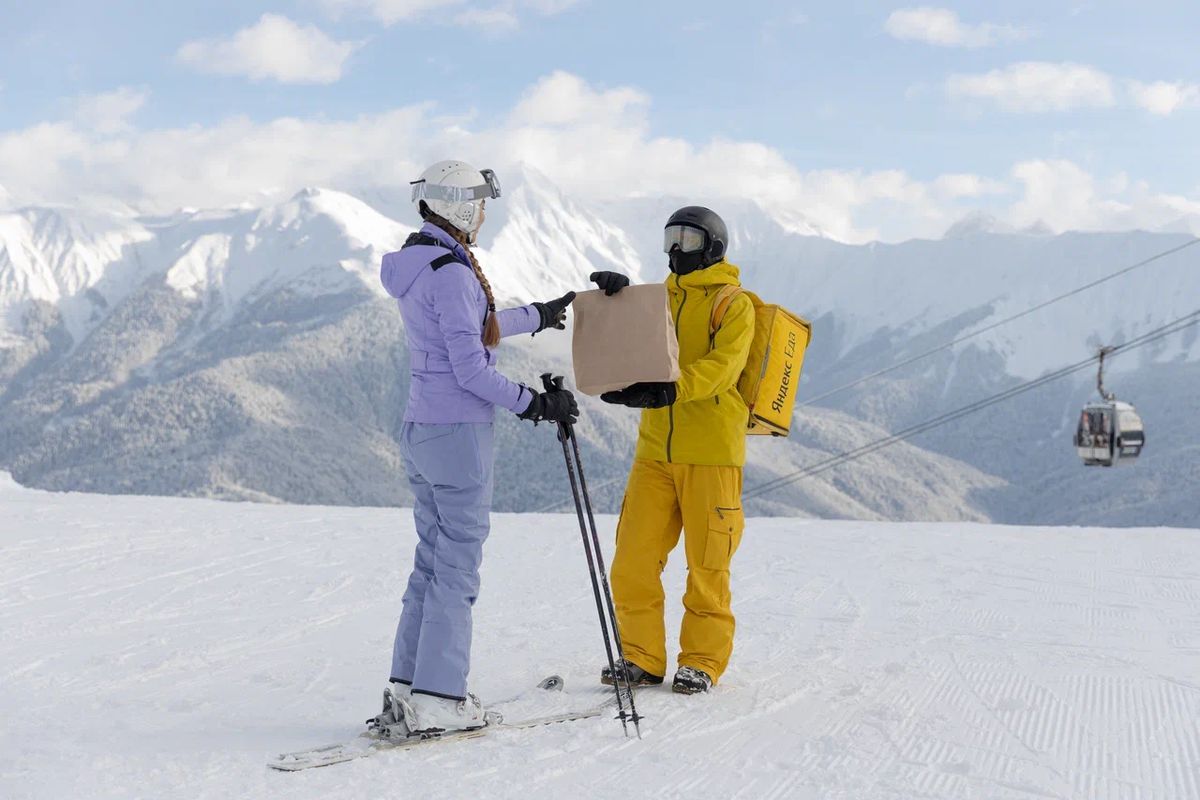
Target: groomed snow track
{"type": "Point", "coordinates": [165, 648]}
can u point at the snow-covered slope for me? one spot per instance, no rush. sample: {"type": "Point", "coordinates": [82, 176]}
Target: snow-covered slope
{"type": "Point", "coordinates": [167, 648]}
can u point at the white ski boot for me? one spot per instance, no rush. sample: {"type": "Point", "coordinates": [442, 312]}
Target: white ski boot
{"type": "Point", "coordinates": [426, 714]}
{"type": "Point", "coordinates": [390, 723]}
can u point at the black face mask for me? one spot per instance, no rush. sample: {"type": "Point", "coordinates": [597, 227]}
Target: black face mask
{"type": "Point", "coordinates": [682, 263]}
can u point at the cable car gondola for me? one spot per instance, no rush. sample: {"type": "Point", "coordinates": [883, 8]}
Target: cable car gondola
{"type": "Point", "coordinates": [1110, 432]}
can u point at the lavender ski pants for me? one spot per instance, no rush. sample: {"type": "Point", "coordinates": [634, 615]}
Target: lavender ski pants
{"type": "Point", "coordinates": [450, 470]}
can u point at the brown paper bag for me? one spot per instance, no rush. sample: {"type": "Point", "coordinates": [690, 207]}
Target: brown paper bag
{"type": "Point", "coordinates": [624, 339]}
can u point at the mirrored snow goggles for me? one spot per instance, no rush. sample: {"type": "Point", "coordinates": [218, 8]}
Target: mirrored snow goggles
{"type": "Point", "coordinates": [490, 188]}
{"type": "Point", "coordinates": [687, 238]}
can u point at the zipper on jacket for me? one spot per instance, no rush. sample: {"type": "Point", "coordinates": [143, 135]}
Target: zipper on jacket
{"type": "Point", "coordinates": [671, 408]}
{"type": "Point", "coordinates": [679, 313]}
{"type": "Point", "coordinates": [670, 429]}
{"type": "Point", "coordinates": [712, 341]}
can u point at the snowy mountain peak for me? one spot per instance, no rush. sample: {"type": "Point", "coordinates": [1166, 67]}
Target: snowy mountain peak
{"type": "Point", "coordinates": [795, 222]}
{"type": "Point", "coordinates": [349, 216]}
{"type": "Point", "coordinates": [1039, 228]}
{"type": "Point", "coordinates": [86, 262]}
{"type": "Point", "coordinates": [539, 242]}
{"type": "Point", "coordinates": [977, 223]}
{"type": "Point", "coordinates": [310, 243]}
{"type": "Point", "coordinates": [74, 260]}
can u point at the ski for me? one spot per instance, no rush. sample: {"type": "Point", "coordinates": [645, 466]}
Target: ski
{"type": "Point", "coordinates": [369, 743]}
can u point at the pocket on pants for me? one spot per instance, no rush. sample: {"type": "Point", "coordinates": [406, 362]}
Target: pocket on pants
{"type": "Point", "coordinates": [422, 432]}
{"type": "Point", "coordinates": [724, 534]}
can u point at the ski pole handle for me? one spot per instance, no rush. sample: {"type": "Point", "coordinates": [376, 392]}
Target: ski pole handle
{"type": "Point", "coordinates": [554, 383]}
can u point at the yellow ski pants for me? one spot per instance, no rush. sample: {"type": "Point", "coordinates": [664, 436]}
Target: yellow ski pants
{"type": "Point", "coordinates": [706, 502]}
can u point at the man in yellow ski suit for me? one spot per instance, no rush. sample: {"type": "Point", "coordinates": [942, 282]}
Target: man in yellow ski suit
{"type": "Point", "coordinates": [687, 470]}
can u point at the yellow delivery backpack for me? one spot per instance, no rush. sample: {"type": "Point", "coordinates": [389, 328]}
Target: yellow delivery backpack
{"type": "Point", "coordinates": [769, 382]}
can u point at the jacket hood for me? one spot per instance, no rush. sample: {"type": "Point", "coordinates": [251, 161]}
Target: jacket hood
{"type": "Point", "coordinates": [401, 268]}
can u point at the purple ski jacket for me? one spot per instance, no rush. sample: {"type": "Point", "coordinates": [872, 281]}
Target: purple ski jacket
{"type": "Point", "coordinates": [453, 378]}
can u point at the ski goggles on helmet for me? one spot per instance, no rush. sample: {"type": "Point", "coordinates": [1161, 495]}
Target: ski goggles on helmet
{"type": "Point", "coordinates": [685, 237]}
{"type": "Point", "coordinates": [490, 188]}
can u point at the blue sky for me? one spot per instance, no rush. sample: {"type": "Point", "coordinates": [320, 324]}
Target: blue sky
{"type": "Point", "coordinates": [1036, 101]}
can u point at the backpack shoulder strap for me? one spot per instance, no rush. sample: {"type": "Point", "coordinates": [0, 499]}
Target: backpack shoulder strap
{"type": "Point", "coordinates": [422, 239]}
{"type": "Point", "coordinates": [725, 296]}
{"type": "Point", "coordinates": [425, 240]}
{"type": "Point", "coordinates": [442, 261]}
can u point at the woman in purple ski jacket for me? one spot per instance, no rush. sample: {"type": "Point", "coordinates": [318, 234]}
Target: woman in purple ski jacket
{"type": "Point", "coordinates": [451, 324]}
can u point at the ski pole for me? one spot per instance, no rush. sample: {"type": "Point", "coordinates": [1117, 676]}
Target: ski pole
{"type": "Point", "coordinates": [564, 433]}
{"type": "Point", "coordinates": [621, 692]}
{"type": "Point", "coordinates": [612, 614]}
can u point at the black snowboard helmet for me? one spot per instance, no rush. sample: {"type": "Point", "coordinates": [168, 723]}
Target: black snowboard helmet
{"type": "Point", "coordinates": [688, 251]}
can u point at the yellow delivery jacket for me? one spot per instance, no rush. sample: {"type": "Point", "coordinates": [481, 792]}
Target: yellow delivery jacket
{"type": "Point", "coordinates": [707, 423]}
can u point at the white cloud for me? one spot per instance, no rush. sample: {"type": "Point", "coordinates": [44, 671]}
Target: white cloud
{"type": "Point", "coordinates": [566, 99]}
{"type": "Point", "coordinates": [595, 143]}
{"type": "Point", "coordinates": [490, 20]}
{"type": "Point", "coordinates": [109, 112]}
{"type": "Point", "coordinates": [1038, 86]}
{"type": "Point", "coordinates": [955, 185]}
{"type": "Point", "coordinates": [1061, 195]}
{"type": "Point", "coordinates": [1163, 97]}
{"type": "Point", "coordinates": [274, 48]}
{"type": "Point", "coordinates": [1033, 86]}
{"type": "Point", "coordinates": [500, 17]}
{"type": "Point", "coordinates": [1057, 193]}
{"type": "Point", "coordinates": [389, 12]}
{"type": "Point", "coordinates": [942, 27]}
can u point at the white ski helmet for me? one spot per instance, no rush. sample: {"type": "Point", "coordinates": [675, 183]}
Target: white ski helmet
{"type": "Point", "coordinates": [455, 191]}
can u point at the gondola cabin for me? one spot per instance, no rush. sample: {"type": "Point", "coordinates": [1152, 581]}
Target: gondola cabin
{"type": "Point", "coordinates": [1110, 433]}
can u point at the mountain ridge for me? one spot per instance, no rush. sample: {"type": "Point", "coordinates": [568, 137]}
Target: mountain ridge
{"type": "Point", "coordinates": [114, 329]}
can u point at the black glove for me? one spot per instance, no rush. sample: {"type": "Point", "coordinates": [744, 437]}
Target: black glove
{"type": "Point", "coordinates": [556, 406]}
{"type": "Point", "coordinates": [643, 395]}
{"type": "Point", "coordinates": [554, 312]}
{"type": "Point", "coordinates": [610, 282]}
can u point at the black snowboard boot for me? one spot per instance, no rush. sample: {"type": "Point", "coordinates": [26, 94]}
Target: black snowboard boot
{"type": "Point", "coordinates": [637, 675]}
{"type": "Point", "coordinates": [689, 680]}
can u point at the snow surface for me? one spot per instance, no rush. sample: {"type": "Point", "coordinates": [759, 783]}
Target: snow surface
{"type": "Point", "coordinates": [166, 648]}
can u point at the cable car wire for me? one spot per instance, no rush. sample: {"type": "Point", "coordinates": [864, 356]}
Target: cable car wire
{"type": "Point", "coordinates": [1170, 328]}
{"type": "Point", "coordinates": [997, 324]}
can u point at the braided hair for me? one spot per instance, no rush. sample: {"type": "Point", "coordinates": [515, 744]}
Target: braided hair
{"type": "Point", "coordinates": [491, 326]}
